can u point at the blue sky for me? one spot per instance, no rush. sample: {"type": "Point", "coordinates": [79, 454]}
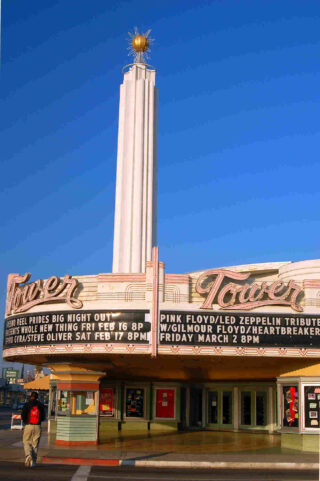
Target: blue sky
{"type": "Point", "coordinates": [239, 131]}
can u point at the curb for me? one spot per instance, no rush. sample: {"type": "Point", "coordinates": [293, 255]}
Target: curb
{"type": "Point", "coordinates": [181, 464]}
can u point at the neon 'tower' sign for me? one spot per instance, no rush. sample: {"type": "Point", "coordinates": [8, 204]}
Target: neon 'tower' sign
{"type": "Point", "coordinates": [234, 296]}
{"type": "Point", "coordinates": [20, 298]}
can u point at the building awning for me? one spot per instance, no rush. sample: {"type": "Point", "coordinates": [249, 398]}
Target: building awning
{"type": "Point", "coordinates": [41, 384]}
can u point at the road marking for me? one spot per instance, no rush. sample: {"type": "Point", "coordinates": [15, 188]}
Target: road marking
{"type": "Point", "coordinates": [81, 474]}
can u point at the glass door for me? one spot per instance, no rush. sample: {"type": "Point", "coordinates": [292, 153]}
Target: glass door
{"type": "Point", "coordinates": [220, 408]}
{"type": "Point", "coordinates": [253, 412]}
{"type": "Point", "coordinates": [226, 415]}
{"type": "Point", "coordinates": [213, 407]}
{"type": "Point", "coordinates": [195, 407]}
{"type": "Point", "coordinates": [246, 408]}
{"type": "Point", "coordinates": [261, 408]}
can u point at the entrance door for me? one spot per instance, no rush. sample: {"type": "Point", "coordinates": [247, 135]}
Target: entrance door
{"type": "Point", "coordinates": [220, 408]}
{"type": "Point", "coordinates": [183, 408]}
{"type": "Point", "coordinates": [213, 407]}
{"type": "Point", "coordinates": [195, 408]}
{"type": "Point", "coordinates": [253, 408]}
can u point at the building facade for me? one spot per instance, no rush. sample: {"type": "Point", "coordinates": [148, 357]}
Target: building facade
{"type": "Point", "coordinates": [231, 348]}
{"type": "Point", "coordinates": [157, 351]}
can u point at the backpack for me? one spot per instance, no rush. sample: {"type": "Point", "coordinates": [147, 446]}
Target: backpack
{"type": "Point", "coordinates": [34, 415]}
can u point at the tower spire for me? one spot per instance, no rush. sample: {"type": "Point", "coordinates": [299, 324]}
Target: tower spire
{"type": "Point", "coordinates": [136, 185]}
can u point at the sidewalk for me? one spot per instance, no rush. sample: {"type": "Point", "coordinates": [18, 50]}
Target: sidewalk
{"type": "Point", "coordinates": [211, 450]}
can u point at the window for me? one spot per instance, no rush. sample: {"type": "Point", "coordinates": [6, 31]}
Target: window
{"type": "Point", "coordinates": [63, 406]}
{"type": "Point", "coordinates": [53, 400]}
{"type": "Point", "coordinates": [76, 403]}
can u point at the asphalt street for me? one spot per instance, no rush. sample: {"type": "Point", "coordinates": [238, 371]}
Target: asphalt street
{"type": "Point", "coordinates": [5, 417]}
{"type": "Point", "coordinates": [17, 472]}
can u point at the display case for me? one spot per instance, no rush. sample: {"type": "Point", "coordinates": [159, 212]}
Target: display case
{"type": "Point", "coordinates": [299, 405]}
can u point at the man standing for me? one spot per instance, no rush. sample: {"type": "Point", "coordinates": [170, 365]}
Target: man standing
{"type": "Point", "coordinates": [33, 413]}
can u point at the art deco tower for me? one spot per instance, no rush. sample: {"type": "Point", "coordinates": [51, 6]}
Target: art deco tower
{"type": "Point", "coordinates": [136, 185]}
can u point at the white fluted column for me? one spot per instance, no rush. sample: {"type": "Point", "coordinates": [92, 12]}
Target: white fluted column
{"type": "Point", "coordinates": [136, 186]}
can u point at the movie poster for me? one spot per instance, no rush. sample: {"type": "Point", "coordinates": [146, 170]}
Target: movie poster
{"type": "Point", "coordinates": [165, 403]}
{"type": "Point", "coordinates": [135, 403]}
{"type": "Point", "coordinates": [106, 402]}
{"type": "Point", "coordinates": [290, 406]}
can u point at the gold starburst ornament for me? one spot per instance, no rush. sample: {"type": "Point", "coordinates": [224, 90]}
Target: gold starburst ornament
{"type": "Point", "coordinates": [139, 45]}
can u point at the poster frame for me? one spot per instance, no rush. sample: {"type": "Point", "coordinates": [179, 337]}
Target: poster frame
{"type": "Point", "coordinates": [305, 429]}
{"type": "Point", "coordinates": [146, 396]}
{"type": "Point", "coordinates": [154, 403]}
{"type": "Point", "coordinates": [115, 416]}
{"type": "Point", "coordinates": [280, 404]}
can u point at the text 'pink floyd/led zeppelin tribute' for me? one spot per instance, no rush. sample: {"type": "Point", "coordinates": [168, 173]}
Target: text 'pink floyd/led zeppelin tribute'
{"type": "Point", "coordinates": [226, 348]}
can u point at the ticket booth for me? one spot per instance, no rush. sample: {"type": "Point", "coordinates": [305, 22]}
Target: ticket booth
{"type": "Point", "coordinates": [77, 411]}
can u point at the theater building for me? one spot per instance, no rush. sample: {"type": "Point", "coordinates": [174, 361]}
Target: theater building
{"type": "Point", "coordinates": [229, 348]}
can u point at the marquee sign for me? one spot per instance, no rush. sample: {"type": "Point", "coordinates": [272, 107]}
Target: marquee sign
{"type": "Point", "coordinates": [69, 327]}
{"type": "Point", "coordinates": [20, 298]}
{"type": "Point", "coordinates": [236, 296]}
{"type": "Point", "coordinates": [239, 329]}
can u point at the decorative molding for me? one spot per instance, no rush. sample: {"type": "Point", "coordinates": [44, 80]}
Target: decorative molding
{"type": "Point", "coordinates": [78, 348]}
{"type": "Point", "coordinates": [165, 350]}
{"type": "Point", "coordinates": [312, 302]}
{"type": "Point", "coordinates": [78, 385]}
{"type": "Point", "coordinates": [311, 284]}
{"type": "Point", "coordinates": [134, 292]}
{"type": "Point", "coordinates": [172, 293]}
{"type": "Point", "coordinates": [130, 293]}
{"type": "Point", "coordinates": [177, 278]}
{"type": "Point", "coordinates": [239, 351]}
{"type": "Point", "coordinates": [138, 277]}
{"type": "Point", "coordinates": [155, 302]}
{"type": "Point", "coordinates": [60, 442]}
